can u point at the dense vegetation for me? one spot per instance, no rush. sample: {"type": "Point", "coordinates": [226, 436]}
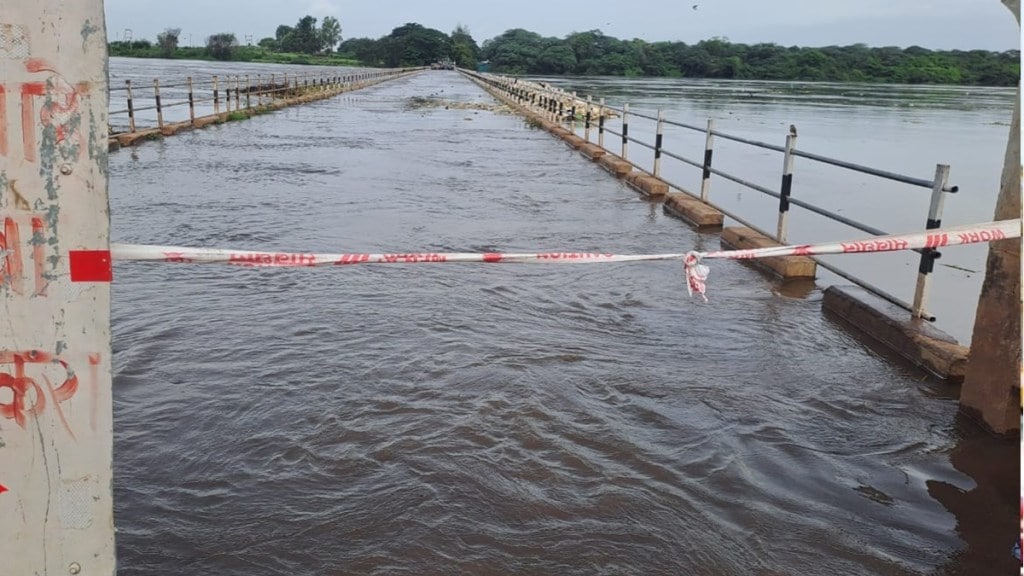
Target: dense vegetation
{"type": "Point", "coordinates": [520, 51]}
{"type": "Point", "coordinates": [304, 43]}
{"type": "Point", "coordinates": [593, 53]}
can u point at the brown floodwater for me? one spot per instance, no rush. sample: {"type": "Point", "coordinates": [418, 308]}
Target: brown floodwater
{"type": "Point", "coordinates": [465, 419]}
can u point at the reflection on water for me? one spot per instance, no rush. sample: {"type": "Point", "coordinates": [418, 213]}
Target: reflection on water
{"type": "Point", "coordinates": [463, 419]}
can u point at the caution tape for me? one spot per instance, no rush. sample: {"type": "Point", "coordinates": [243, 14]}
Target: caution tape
{"type": "Point", "coordinates": [696, 271]}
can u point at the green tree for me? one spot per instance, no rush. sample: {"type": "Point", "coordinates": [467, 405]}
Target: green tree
{"type": "Point", "coordinates": [168, 41]}
{"type": "Point", "coordinates": [465, 51]}
{"type": "Point", "coordinates": [330, 33]}
{"type": "Point", "coordinates": [221, 46]}
{"type": "Point", "coordinates": [304, 37]}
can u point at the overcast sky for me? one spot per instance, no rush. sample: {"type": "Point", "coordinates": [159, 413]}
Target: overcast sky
{"type": "Point", "coordinates": [941, 24]}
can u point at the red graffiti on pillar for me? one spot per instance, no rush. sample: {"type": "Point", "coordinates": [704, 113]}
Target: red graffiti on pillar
{"type": "Point", "coordinates": [59, 111]}
{"type": "Point", "coordinates": [11, 257]}
{"type": "Point", "coordinates": [28, 396]}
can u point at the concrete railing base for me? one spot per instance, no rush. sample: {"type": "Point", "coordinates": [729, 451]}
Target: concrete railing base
{"type": "Point", "coordinates": [915, 340]}
{"type": "Point", "coordinates": [615, 165]}
{"type": "Point", "coordinates": [742, 238]}
{"type": "Point", "coordinates": [692, 210]}
{"type": "Point", "coordinates": [647, 185]}
{"type": "Point", "coordinates": [592, 151]}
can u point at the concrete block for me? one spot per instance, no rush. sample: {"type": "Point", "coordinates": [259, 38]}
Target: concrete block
{"type": "Point", "coordinates": [573, 141]}
{"type": "Point", "coordinates": [615, 165]}
{"type": "Point", "coordinates": [132, 138]}
{"type": "Point", "coordinates": [205, 121]}
{"type": "Point", "coordinates": [647, 185]}
{"type": "Point", "coordinates": [592, 151]}
{"type": "Point", "coordinates": [783, 266]}
{"type": "Point", "coordinates": [172, 129]}
{"type": "Point", "coordinates": [914, 339]}
{"type": "Point", "coordinates": [692, 210]}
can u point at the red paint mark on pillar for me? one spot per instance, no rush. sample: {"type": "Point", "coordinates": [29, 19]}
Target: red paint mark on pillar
{"type": "Point", "coordinates": [38, 258]}
{"type": "Point", "coordinates": [28, 125]}
{"type": "Point", "coordinates": [90, 266]}
{"type": "Point", "coordinates": [94, 389]}
{"type": "Point", "coordinates": [3, 488]}
{"type": "Point", "coordinates": [10, 246]}
{"type": "Point", "coordinates": [3, 121]}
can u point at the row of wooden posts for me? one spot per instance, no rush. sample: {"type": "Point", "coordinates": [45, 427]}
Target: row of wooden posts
{"type": "Point", "coordinates": [238, 92]}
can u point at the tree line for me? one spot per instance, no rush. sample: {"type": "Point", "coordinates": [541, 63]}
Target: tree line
{"type": "Point", "coordinates": [305, 38]}
{"type": "Point", "coordinates": [590, 53]}
{"type": "Point", "coordinates": [593, 53]}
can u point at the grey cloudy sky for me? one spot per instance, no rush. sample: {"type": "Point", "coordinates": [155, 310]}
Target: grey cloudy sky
{"type": "Point", "coordinates": [942, 24]}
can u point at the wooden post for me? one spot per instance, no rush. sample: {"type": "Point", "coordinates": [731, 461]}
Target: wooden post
{"type": "Point", "coordinates": [929, 255]}
{"type": "Point", "coordinates": [248, 92]}
{"type": "Point", "coordinates": [600, 124]}
{"type": "Point", "coordinates": [705, 178]}
{"type": "Point", "coordinates": [625, 131]}
{"type": "Point", "coordinates": [238, 93]}
{"type": "Point", "coordinates": [216, 96]}
{"type": "Point", "coordinates": [56, 442]}
{"type": "Point", "coordinates": [159, 109]}
{"type": "Point", "coordinates": [657, 143]}
{"type": "Point", "coordinates": [131, 108]}
{"type": "Point", "coordinates": [786, 189]}
{"type": "Point", "coordinates": [191, 103]}
{"type": "Point", "coordinates": [586, 129]}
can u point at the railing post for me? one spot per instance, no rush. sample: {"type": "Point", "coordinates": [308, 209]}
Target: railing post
{"type": "Point", "coordinates": [259, 90]}
{"type": "Point", "coordinates": [159, 109]}
{"type": "Point", "coordinates": [786, 189]}
{"type": "Point", "coordinates": [600, 124]}
{"type": "Point", "coordinates": [248, 92]}
{"type": "Point", "coordinates": [658, 136]}
{"type": "Point", "coordinates": [216, 96]}
{"type": "Point", "coordinates": [709, 143]}
{"type": "Point", "coordinates": [572, 112]}
{"type": "Point", "coordinates": [273, 87]}
{"type": "Point", "coordinates": [131, 106]}
{"type": "Point", "coordinates": [586, 130]}
{"type": "Point", "coordinates": [191, 103]}
{"type": "Point", "coordinates": [238, 92]}
{"type": "Point", "coordinates": [625, 132]}
{"type": "Point", "coordinates": [929, 255]}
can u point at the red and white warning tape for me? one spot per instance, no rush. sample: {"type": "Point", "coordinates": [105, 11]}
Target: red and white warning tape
{"type": "Point", "coordinates": [696, 272]}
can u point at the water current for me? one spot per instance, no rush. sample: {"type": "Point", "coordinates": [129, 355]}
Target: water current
{"type": "Point", "coordinates": [467, 419]}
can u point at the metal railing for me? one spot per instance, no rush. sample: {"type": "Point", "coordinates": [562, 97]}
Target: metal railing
{"type": "Point", "coordinates": [529, 94]}
{"type": "Point", "coordinates": [226, 94]}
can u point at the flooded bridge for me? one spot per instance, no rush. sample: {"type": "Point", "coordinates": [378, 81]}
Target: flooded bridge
{"type": "Point", "coordinates": [481, 419]}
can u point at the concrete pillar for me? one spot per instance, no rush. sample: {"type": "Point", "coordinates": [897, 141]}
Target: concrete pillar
{"type": "Point", "coordinates": [991, 389]}
{"type": "Point", "coordinates": [56, 444]}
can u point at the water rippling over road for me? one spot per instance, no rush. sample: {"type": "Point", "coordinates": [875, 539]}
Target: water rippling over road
{"type": "Point", "coordinates": [465, 419]}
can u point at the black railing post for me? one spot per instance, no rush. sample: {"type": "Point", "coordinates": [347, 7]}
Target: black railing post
{"type": "Point", "coordinates": [786, 189]}
{"type": "Point", "coordinates": [625, 132]}
{"type": "Point", "coordinates": [657, 144]}
{"type": "Point", "coordinates": [929, 255]}
{"type": "Point", "coordinates": [131, 107]}
{"type": "Point", "coordinates": [705, 179]}
{"type": "Point", "coordinates": [586, 125]}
